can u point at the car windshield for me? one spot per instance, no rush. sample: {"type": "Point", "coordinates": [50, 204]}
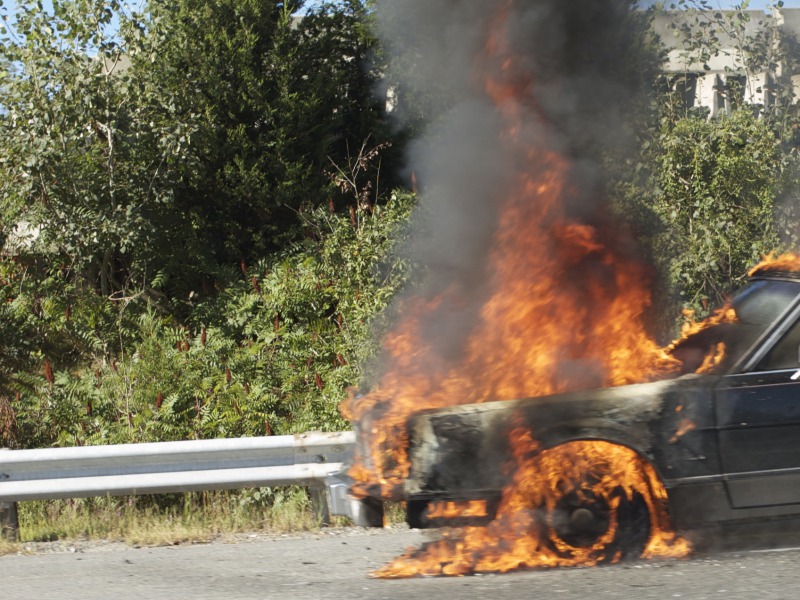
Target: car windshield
{"type": "Point", "coordinates": [762, 301]}
{"type": "Point", "coordinates": [757, 306]}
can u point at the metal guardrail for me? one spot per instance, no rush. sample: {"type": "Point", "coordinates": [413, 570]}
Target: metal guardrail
{"type": "Point", "coordinates": [129, 469]}
{"type": "Point", "coordinates": [309, 459]}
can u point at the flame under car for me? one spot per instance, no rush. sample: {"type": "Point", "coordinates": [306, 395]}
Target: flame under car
{"type": "Point", "coordinates": [722, 446]}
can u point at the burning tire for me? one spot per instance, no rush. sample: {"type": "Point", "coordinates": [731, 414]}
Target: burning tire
{"type": "Point", "coordinates": [577, 504]}
{"type": "Point", "coordinates": [612, 525]}
{"type": "Point", "coordinates": [603, 502]}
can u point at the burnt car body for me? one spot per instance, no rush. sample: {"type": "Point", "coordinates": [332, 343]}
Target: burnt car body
{"type": "Point", "coordinates": [725, 445]}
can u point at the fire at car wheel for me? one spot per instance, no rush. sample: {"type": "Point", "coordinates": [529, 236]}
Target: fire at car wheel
{"type": "Point", "coordinates": [597, 501]}
{"type": "Point", "coordinates": [619, 529]}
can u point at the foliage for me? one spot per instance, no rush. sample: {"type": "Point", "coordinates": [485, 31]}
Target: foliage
{"type": "Point", "coordinates": [720, 182]}
{"type": "Point", "coordinates": [195, 137]}
{"type": "Point", "coordinates": [272, 354]}
{"type": "Point", "coordinates": [272, 102]}
{"type": "Point", "coordinates": [65, 145]}
{"type": "Point", "coordinates": [710, 196]}
{"type": "Point", "coordinates": [190, 203]}
{"type": "Point", "coordinates": [47, 322]}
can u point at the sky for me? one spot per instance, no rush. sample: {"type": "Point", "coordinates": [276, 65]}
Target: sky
{"type": "Point", "coordinates": [754, 4]}
{"type": "Point", "coordinates": [10, 5]}
{"type": "Point", "coordinates": [762, 4]}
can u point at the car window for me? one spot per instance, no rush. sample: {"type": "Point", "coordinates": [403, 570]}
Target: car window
{"type": "Point", "coordinates": [757, 307]}
{"type": "Point", "coordinates": [785, 354]}
{"type": "Point", "coordinates": [761, 302]}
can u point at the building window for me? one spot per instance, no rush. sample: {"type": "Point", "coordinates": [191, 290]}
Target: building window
{"type": "Point", "coordinates": [770, 91]}
{"type": "Point", "coordinates": [728, 93]}
{"type": "Point", "coordinates": [720, 97]}
{"type": "Point", "coordinates": [685, 89]}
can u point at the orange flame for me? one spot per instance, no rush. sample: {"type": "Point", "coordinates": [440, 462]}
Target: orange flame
{"type": "Point", "coordinates": [713, 359]}
{"type": "Point", "coordinates": [532, 525]}
{"type": "Point", "coordinates": [788, 262]}
{"type": "Point", "coordinates": [563, 311]}
{"type": "Point", "coordinates": [690, 328]}
{"type": "Point", "coordinates": [458, 509]}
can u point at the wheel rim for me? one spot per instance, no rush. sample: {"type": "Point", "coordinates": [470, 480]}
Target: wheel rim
{"type": "Point", "coordinates": [580, 519]}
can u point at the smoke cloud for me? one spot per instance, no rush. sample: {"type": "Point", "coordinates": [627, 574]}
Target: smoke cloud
{"type": "Point", "coordinates": [529, 287]}
{"type": "Point", "coordinates": [578, 68]}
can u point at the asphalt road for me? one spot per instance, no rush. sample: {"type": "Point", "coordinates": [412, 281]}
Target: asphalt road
{"type": "Point", "coordinates": [336, 565]}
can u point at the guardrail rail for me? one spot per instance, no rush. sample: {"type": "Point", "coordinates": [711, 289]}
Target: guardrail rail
{"type": "Point", "coordinates": [312, 459]}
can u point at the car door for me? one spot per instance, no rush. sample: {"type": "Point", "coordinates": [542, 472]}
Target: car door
{"type": "Point", "coordinates": [758, 420]}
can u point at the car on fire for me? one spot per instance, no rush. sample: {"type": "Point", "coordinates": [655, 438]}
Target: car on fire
{"type": "Point", "coordinates": [722, 446]}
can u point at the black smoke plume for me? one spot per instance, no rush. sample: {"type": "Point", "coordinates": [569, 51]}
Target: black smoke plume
{"type": "Point", "coordinates": [582, 67]}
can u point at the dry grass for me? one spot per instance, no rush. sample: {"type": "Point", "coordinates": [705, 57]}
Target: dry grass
{"type": "Point", "coordinates": [8, 547]}
{"type": "Point", "coordinates": [152, 521]}
{"type": "Point", "coordinates": [394, 514]}
{"type": "Point", "coordinates": [174, 519]}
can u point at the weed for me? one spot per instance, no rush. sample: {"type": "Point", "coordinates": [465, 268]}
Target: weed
{"type": "Point", "coordinates": [166, 519]}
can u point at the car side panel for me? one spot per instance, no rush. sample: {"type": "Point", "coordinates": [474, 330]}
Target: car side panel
{"type": "Point", "coordinates": [758, 415]}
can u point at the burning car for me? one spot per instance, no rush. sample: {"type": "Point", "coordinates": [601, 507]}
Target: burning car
{"type": "Point", "coordinates": [520, 401]}
{"type": "Point", "coordinates": [594, 476]}
{"type": "Point", "coordinates": [725, 444]}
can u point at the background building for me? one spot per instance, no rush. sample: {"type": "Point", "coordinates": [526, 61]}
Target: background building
{"type": "Point", "coordinates": [720, 59]}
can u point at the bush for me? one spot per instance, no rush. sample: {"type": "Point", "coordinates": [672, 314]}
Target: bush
{"type": "Point", "coordinates": [273, 353]}
{"type": "Point", "coordinates": [720, 182]}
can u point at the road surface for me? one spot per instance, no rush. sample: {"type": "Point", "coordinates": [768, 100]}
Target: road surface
{"type": "Point", "coordinates": [336, 565]}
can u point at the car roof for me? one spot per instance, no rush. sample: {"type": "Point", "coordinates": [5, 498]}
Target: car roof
{"type": "Point", "coordinates": [779, 275]}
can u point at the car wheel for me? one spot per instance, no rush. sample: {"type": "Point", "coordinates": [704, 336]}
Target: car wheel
{"type": "Point", "coordinates": [598, 506]}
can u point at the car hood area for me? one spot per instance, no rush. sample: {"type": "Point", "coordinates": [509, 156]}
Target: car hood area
{"type": "Point", "coordinates": [457, 449]}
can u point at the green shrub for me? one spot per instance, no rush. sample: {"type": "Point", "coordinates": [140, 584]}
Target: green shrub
{"type": "Point", "coordinates": [272, 353]}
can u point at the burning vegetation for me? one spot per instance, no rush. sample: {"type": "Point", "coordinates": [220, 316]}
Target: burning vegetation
{"type": "Point", "coordinates": [557, 305]}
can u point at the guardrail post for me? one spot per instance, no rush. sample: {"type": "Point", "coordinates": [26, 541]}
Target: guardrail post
{"type": "Point", "coordinates": [319, 504]}
{"type": "Point", "coordinates": [9, 519]}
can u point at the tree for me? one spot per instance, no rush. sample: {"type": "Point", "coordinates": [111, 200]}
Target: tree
{"type": "Point", "coordinates": [720, 187]}
{"type": "Point", "coordinates": [275, 100]}
{"type": "Point", "coordinates": [164, 170]}
{"type": "Point", "coordinates": [272, 354]}
{"type": "Point", "coordinates": [193, 138]}
{"type": "Point", "coordinates": [68, 143]}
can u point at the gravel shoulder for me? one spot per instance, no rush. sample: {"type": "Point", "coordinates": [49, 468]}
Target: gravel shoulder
{"type": "Point", "coordinates": [92, 546]}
